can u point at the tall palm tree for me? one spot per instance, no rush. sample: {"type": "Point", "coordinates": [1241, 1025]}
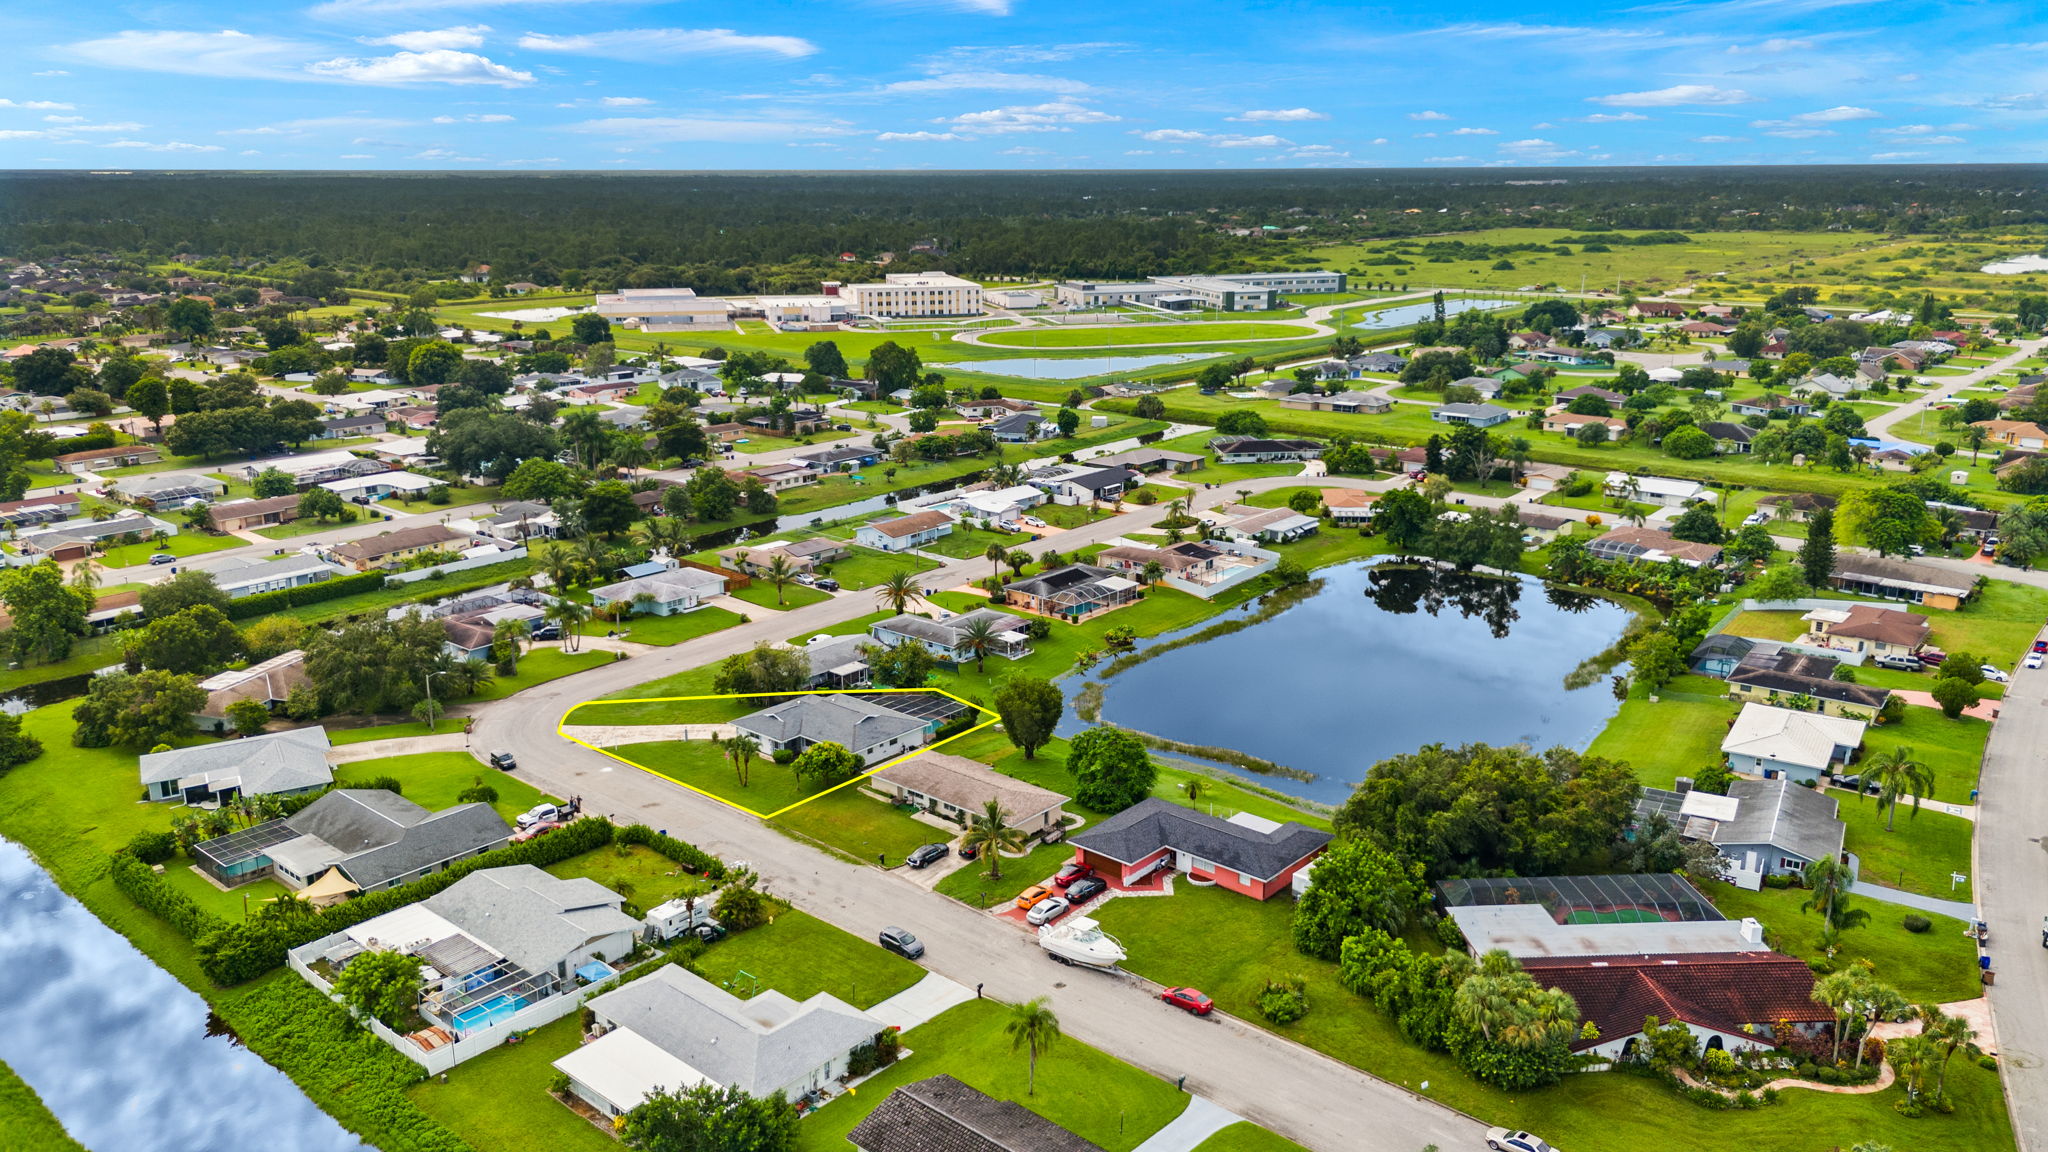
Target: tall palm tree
{"type": "Point", "coordinates": [1032, 1026]}
{"type": "Point", "coordinates": [991, 835]}
{"type": "Point", "coordinates": [1882, 1003]}
{"type": "Point", "coordinates": [978, 637]}
{"type": "Point", "coordinates": [1828, 880]}
{"type": "Point", "coordinates": [1840, 992]}
{"type": "Point", "coordinates": [1909, 1056]}
{"type": "Point", "coordinates": [561, 569]}
{"type": "Point", "coordinates": [1154, 572]}
{"type": "Point", "coordinates": [1947, 1033]}
{"type": "Point", "coordinates": [595, 554]}
{"type": "Point", "coordinates": [1898, 777]}
{"type": "Point", "coordinates": [585, 430]}
{"type": "Point", "coordinates": [666, 534]}
{"type": "Point", "coordinates": [629, 452]}
{"type": "Point", "coordinates": [779, 573]}
{"type": "Point", "coordinates": [743, 748]}
{"type": "Point", "coordinates": [995, 554]}
{"type": "Point", "coordinates": [568, 615]}
{"type": "Point", "coordinates": [898, 592]}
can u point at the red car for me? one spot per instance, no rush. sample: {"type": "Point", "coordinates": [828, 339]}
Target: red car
{"type": "Point", "coordinates": [1074, 870]}
{"type": "Point", "coordinates": [1190, 999]}
{"type": "Point", "coordinates": [2041, 645]}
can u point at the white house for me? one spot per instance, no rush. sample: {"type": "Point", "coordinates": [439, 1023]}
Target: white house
{"type": "Point", "coordinates": [904, 532]}
{"type": "Point", "coordinates": [668, 593]}
{"type": "Point", "coordinates": [1661, 490]}
{"type": "Point", "coordinates": [1771, 742]}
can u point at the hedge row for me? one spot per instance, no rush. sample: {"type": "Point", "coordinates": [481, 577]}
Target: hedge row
{"type": "Point", "coordinates": [264, 603]}
{"type": "Point", "coordinates": [242, 952]}
{"type": "Point", "coordinates": [688, 855]}
{"type": "Point", "coordinates": [140, 883]}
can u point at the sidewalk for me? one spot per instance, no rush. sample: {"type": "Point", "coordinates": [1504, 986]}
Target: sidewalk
{"type": "Point", "coordinates": [1202, 1119]}
{"type": "Point", "coordinates": [921, 1001]}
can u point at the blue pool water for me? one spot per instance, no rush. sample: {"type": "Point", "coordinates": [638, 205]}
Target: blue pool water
{"type": "Point", "coordinates": [488, 1013]}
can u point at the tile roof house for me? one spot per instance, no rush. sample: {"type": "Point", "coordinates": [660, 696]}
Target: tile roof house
{"type": "Point", "coordinates": [378, 839]}
{"type": "Point", "coordinates": [676, 1030]}
{"type": "Point", "coordinates": [904, 532]}
{"type": "Point", "coordinates": [1771, 742]}
{"type": "Point", "coordinates": [1867, 628]}
{"type": "Point", "coordinates": [946, 637]}
{"type": "Point", "coordinates": [958, 788]}
{"type": "Point", "coordinates": [1245, 853]}
{"type": "Point", "coordinates": [940, 1114]}
{"type": "Point", "coordinates": [869, 730]}
{"type": "Point", "coordinates": [1349, 505]}
{"type": "Point", "coordinates": [1569, 423]}
{"type": "Point", "coordinates": [1732, 1000]}
{"type": "Point", "coordinates": [273, 764]}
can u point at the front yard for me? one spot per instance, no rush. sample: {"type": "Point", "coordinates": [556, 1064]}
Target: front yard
{"type": "Point", "coordinates": [799, 955]}
{"type": "Point", "coordinates": [1919, 854]}
{"type": "Point", "coordinates": [667, 630]}
{"type": "Point", "coordinates": [1935, 966]}
{"type": "Point", "coordinates": [793, 595]}
{"type": "Point", "coordinates": [182, 545]}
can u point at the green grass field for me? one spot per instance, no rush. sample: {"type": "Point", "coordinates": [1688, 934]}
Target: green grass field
{"type": "Point", "coordinates": [1665, 739]}
{"type": "Point", "coordinates": [182, 545]}
{"type": "Point", "coordinates": [667, 630]}
{"type": "Point", "coordinates": [792, 595]}
{"type": "Point", "coordinates": [1918, 854]}
{"type": "Point", "coordinates": [641, 875]}
{"type": "Point", "coordinates": [28, 1123]}
{"type": "Point", "coordinates": [1245, 1136]}
{"type": "Point", "coordinates": [1935, 966]}
{"type": "Point", "coordinates": [800, 956]}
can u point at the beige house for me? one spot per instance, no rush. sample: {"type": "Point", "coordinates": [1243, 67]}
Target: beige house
{"type": "Point", "coordinates": [1864, 628]}
{"type": "Point", "coordinates": [956, 788]}
{"type": "Point", "coordinates": [1569, 423]}
{"type": "Point", "coordinates": [391, 548]}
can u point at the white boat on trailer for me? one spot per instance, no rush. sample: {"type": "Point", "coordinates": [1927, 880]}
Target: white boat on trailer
{"type": "Point", "coordinates": [1078, 940]}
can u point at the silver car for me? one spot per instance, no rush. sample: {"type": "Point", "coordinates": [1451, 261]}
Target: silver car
{"type": "Point", "coordinates": [1046, 911]}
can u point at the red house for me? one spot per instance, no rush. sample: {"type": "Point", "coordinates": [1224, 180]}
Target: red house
{"type": "Point", "coordinates": [1732, 1000]}
{"type": "Point", "coordinates": [1244, 854]}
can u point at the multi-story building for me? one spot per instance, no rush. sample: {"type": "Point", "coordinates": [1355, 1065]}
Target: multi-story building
{"type": "Point", "coordinates": [917, 294]}
{"type": "Point", "coordinates": [1230, 292]}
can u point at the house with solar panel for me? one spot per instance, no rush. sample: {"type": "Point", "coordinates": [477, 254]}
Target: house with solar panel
{"type": "Point", "coordinates": [273, 764]}
{"type": "Point", "coordinates": [868, 726]}
{"type": "Point", "coordinates": [350, 841]}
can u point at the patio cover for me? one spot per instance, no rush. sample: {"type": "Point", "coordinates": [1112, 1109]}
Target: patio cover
{"type": "Point", "coordinates": [331, 888]}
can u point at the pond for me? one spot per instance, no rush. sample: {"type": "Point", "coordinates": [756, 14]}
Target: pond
{"type": "Point", "coordinates": [2017, 265]}
{"type": "Point", "coordinates": [1073, 367]}
{"type": "Point", "coordinates": [124, 1055]}
{"type": "Point", "coordinates": [1379, 662]}
{"type": "Point", "coordinates": [1402, 314]}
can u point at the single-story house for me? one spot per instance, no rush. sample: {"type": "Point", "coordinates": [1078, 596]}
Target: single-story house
{"type": "Point", "coordinates": [1559, 354]}
{"type": "Point", "coordinates": [1833, 697]}
{"type": "Point", "coordinates": [1349, 506]}
{"type": "Point", "coordinates": [244, 515]}
{"type": "Point", "coordinates": [1541, 526]}
{"type": "Point", "coordinates": [1890, 579]}
{"type": "Point", "coordinates": [1268, 525]}
{"type": "Point", "coordinates": [958, 789]}
{"type": "Point", "coordinates": [38, 510]}
{"type": "Point", "coordinates": [995, 408]}
{"type": "Point", "coordinates": [1021, 428]}
{"type": "Point", "coordinates": [376, 838]}
{"type": "Point", "coordinates": [267, 682]}
{"type": "Point", "coordinates": [1800, 506]}
{"type": "Point", "coordinates": [1768, 403]}
{"type": "Point", "coordinates": [1867, 628]}
{"type": "Point", "coordinates": [940, 1114]}
{"type": "Point", "coordinates": [1762, 827]}
{"type": "Point", "coordinates": [1073, 592]}
{"type": "Point", "coordinates": [667, 593]}
{"type": "Point", "coordinates": [1734, 1001]}
{"type": "Point", "coordinates": [1255, 450]}
{"type": "Point", "coordinates": [1569, 423]}
{"type": "Point", "coordinates": [348, 427]}
{"type": "Point", "coordinates": [675, 1030]}
{"type": "Point", "coordinates": [169, 491]}
{"type": "Point", "coordinates": [837, 457]}
{"type": "Point", "coordinates": [1773, 742]}
{"type": "Point", "coordinates": [1571, 394]}
{"type": "Point", "coordinates": [862, 726]}
{"type": "Point", "coordinates": [76, 539]}
{"type": "Point", "coordinates": [388, 549]}
{"type": "Point", "coordinates": [945, 637]}
{"type": "Point", "coordinates": [1356, 402]}
{"type": "Point", "coordinates": [1657, 310]}
{"type": "Point", "coordinates": [1381, 362]}
{"type": "Point", "coordinates": [998, 504]}
{"type": "Point", "coordinates": [1086, 483]}
{"type": "Point", "coordinates": [122, 456]}
{"type": "Point", "coordinates": [2014, 433]}
{"type": "Point", "coordinates": [838, 661]}
{"type": "Point", "coordinates": [273, 764]}
{"type": "Point", "coordinates": [1652, 546]}
{"type": "Point", "coordinates": [777, 477]}
{"type": "Point", "coordinates": [1729, 438]}
{"type": "Point", "coordinates": [1187, 560]}
{"type": "Point", "coordinates": [240, 577]}
{"type": "Point", "coordinates": [1662, 490]}
{"type": "Point", "coordinates": [377, 485]}
{"type": "Point", "coordinates": [1246, 854]}
{"type": "Point", "coordinates": [1828, 383]}
{"type": "Point", "coordinates": [1470, 415]}
{"type": "Point", "coordinates": [904, 532]}
{"type": "Point", "coordinates": [1151, 460]}
{"type": "Point", "coordinates": [800, 555]}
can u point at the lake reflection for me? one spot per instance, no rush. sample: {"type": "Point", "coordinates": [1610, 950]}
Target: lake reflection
{"type": "Point", "coordinates": [1382, 661]}
{"type": "Point", "coordinates": [123, 1054]}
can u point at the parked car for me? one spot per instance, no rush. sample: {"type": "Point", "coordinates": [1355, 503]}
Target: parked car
{"type": "Point", "coordinates": [1932, 656]}
{"type": "Point", "coordinates": [1993, 673]}
{"type": "Point", "coordinates": [828, 584]}
{"type": "Point", "coordinates": [163, 558]}
{"type": "Point", "coordinates": [503, 761]}
{"type": "Point", "coordinates": [901, 942]}
{"type": "Point", "coordinates": [806, 579]}
{"type": "Point", "coordinates": [1047, 911]}
{"type": "Point", "coordinates": [1034, 521]}
{"type": "Point", "coordinates": [1190, 999]}
{"type": "Point", "coordinates": [969, 851]}
{"type": "Point", "coordinates": [1086, 889]}
{"type": "Point", "coordinates": [1071, 871]}
{"type": "Point", "coordinates": [1033, 895]}
{"type": "Point", "coordinates": [534, 831]}
{"type": "Point", "coordinates": [1506, 1140]}
{"type": "Point", "coordinates": [926, 855]}
{"type": "Point", "coordinates": [537, 814]}
{"type": "Point", "coordinates": [1990, 545]}
{"type": "Point", "coordinates": [546, 632]}
{"type": "Point", "coordinates": [2041, 645]}
{"type": "Point", "coordinates": [2032, 661]}
{"type": "Point", "coordinates": [1755, 518]}
{"type": "Point", "coordinates": [1904, 662]}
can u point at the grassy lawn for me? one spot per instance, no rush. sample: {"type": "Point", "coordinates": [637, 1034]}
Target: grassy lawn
{"type": "Point", "coordinates": [1935, 966]}
{"type": "Point", "coordinates": [766, 443]}
{"type": "Point", "coordinates": [377, 600]}
{"type": "Point", "coordinates": [866, 567]}
{"type": "Point", "coordinates": [27, 1121]}
{"type": "Point", "coordinates": [861, 826]}
{"type": "Point", "coordinates": [1768, 626]}
{"type": "Point", "coordinates": [1126, 334]}
{"type": "Point", "coordinates": [1088, 1092]}
{"type": "Point", "coordinates": [641, 875]}
{"type": "Point", "coordinates": [965, 543]}
{"type": "Point", "coordinates": [500, 1099]}
{"type": "Point", "coordinates": [1953, 749]}
{"type": "Point", "coordinates": [793, 596]}
{"type": "Point", "coordinates": [538, 667]}
{"type": "Point", "coordinates": [232, 905]}
{"type": "Point", "coordinates": [1919, 853]}
{"type": "Point", "coordinates": [433, 780]}
{"type": "Point", "coordinates": [457, 498]}
{"type": "Point", "coordinates": [390, 731]}
{"type": "Point", "coordinates": [1213, 473]}
{"type": "Point", "coordinates": [800, 956]}
{"type": "Point", "coordinates": [296, 528]}
{"type": "Point", "coordinates": [183, 544]}
{"type": "Point", "coordinates": [1998, 625]}
{"type": "Point", "coordinates": [970, 884]}
{"type": "Point", "coordinates": [1665, 739]}
{"type": "Point", "coordinates": [666, 630]}
{"type": "Point", "coordinates": [1071, 515]}
{"type": "Point", "coordinates": [1245, 1136]}
{"type": "Point", "coordinates": [700, 765]}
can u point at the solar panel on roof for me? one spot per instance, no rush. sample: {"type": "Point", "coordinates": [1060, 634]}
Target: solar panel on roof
{"type": "Point", "coordinates": [236, 847]}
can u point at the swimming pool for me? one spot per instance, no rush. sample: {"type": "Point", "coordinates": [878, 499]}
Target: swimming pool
{"type": "Point", "coordinates": [492, 1011]}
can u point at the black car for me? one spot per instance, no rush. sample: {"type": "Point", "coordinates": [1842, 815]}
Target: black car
{"type": "Point", "coordinates": [828, 584]}
{"type": "Point", "coordinates": [928, 854]}
{"type": "Point", "coordinates": [503, 761]}
{"type": "Point", "coordinates": [969, 851]}
{"type": "Point", "coordinates": [1085, 889]}
{"type": "Point", "coordinates": [901, 943]}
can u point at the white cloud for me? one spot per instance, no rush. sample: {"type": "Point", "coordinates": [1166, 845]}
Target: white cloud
{"type": "Point", "coordinates": [1427, 116]}
{"type": "Point", "coordinates": [1213, 139]}
{"type": "Point", "coordinates": [1896, 155]}
{"type": "Point", "coordinates": [1536, 148]}
{"type": "Point", "coordinates": [1173, 136]}
{"type": "Point", "coordinates": [38, 105]}
{"type": "Point", "coordinates": [227, 53]}
{"type": "Point", "coordinates": [1611, 117]}
{"type": "Point", "coordinates": [1837, 114]}
{"type": "Point", "coordinates": [316, 124]}
{"type": "Point", "coordinates": [51, 72]}
{"type": "Point", "coordinates": [624, 101]}
{"type": "Point", "coordinates": [1474, 132]}
{"type": "Point", "coordinates": [166, 146]}
{"type": "Point", "coordinates": [64, 119]}
{"type": "Point", "coordinates": [440, 66]}
{"type": "Point", "coordinates": [1250, 141]}
{"type": "Point", "coordinates": [1140, 152]}
{"type": "Point", "coordinates": [476, 118]}
{"type": "Point", "coordinates": [1022, 150]}
{"type": "Point", "coordinates": [1379, 140]}
{"type": "Point", "coordinates": [460, 36]}
{"type": "Point", "coordinates": [987, 82]}
{"type": "Point", "coordinates": [124, 126]}
{"type": "Point", "coordinates": [674, 129]}
{"type": "Point", "coordinates": [1279, 115]}
{"type": "Point", "coordinates": [1675, 95]}
{"type": "Point", "coordinates": [1799, 133]}
{"type": "Point", "coordinates": [29, 134]}
{"type": "Point", "coordinates": [1900, 130]}
{"type": "Point", "coordinates": [1446, 159]}
{"type": "Point", "coordinates": [891, 137]}
{"type": "Point", "coordinates": [1774, 46]}
{"type": "Point", "coordinates": [342, 9]}
{"type": "Point", "coordinates": [1719, 139]}
{"type": "Point", "coordinates": [446, 154]}
{"type": "Point", "coordinates": [1049, 117]}
{"type": "Point", "coordinates": [668, 43]}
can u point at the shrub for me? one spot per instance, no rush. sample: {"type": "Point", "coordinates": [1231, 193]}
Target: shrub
{"type": "Point", "coordinates": [688, 855]}
{"type": "Point", "coordinates": [1779, 880]}
{"type": "Point", "coordinates": [478, 794]}
{"type": "Point", "coordinates": [152, 847]}
{"type": "Point", "coordinates": [1285, 1000]}
{"type": "Point", "coordinates": [1449, 934]}
{"type": "Point", "coordinates": [1916, 923]}
{"type": "Point", "coordinates": [1988, 1062]}
{"type": "Point", "coordinates": [785, 755]}
{"type": "Point", "coordinates": [387, 783]}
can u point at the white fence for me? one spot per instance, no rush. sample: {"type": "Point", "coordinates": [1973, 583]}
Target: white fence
{"type": "Point", "coordinates": [518, 553]}
{"type": "Point", "coordinates": [1262, 562]}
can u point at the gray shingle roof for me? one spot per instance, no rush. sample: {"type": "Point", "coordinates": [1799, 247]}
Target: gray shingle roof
{"type": "Point", "coordinates": [274, 762]}
{"type": "Point", "coordinates": [947, 632]}
{"type": "Point", "coordinates": [1784, 815]}
{"type": "Point", "coordinates": [848, 721]}
{"type": "Point", "coordinates": [941, 1114]}
{"type": "Point", "coordinates": [377, 836]}
{"type": "Point", "coordinates": [761, 1044]}
{"type": "Point", "coordinates": [529, 917]}
{"type": "Point", "coordinates": [1152, 824]}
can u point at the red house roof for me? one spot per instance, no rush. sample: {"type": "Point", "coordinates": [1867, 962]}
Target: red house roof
{"type": "Point", "coordinates": [1721, 991]}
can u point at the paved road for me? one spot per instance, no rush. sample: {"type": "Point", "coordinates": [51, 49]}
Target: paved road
{"type": "Point", "coordinates": [1946, 387]}
{"type": "Point", "coordinates": [2011, 819]}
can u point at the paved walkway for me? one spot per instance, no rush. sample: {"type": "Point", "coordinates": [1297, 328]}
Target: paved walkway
{"type": "Point", "coordinates": [613, 735]}
{"type": "Point", "coordinates": [921, 1001]}
{"type": "Point", "coordinates": [455, 741]}
{"type": "Point", "coordinates": [1982, 710]}
{"type": "Point", "coordinates": [1202, 1119]}
{"type": "Point", "coordinates": [1960, 909]}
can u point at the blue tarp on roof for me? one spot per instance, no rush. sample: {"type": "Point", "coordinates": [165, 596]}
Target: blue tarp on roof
{"type": "Point", "coordinates": [645, 568]}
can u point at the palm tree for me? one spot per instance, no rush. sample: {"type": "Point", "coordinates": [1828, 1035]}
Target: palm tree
{"type": "Point", "coordinates": [568, 615]}
{"type": "Point", "coordinates": [1154, 572]}
{"type": "Point", "coordinates": [1193, 787]}
{"type": "Point", "coordinates": [1946, 1033]}
{"type": "Point", "coordinates": [85, 577]}
{"type": "Point", "coordinates": [1882, 1003]}
{"type": "Point", "coordinates": [630, 452]}
{"type": "Point", "coordinates": [1839, 992]}
{"type": "Point", "coordinates": [898, 592]}
{"type": "Point", "coordinates": [991, 835]}
{"type": "Point", "coordinates": [1898, 776]}
{"type": "Point", "coordinates": [1485, 1002]}
{"type": "Point", "coordinates": [995, 554]}
{"type": "Point", "coordinates": [1909, 1056]}
{"type": "Point", "coordinates": [665, 534]}
{"type": "Point", "coordinates": [1032, 1026]}
{"type": "Point", "coordinates": [585, 430]}
{"type": "Point", "coordinates": [595, 555]}
{"type": "Point", "coordinates": [744, 748]}
{"type": "Point", "coordinates": [1018, 562]}
{"type": "Point", "coordinates": [978, 637]}
{"type": "Point", "coordinates": [1828, 880]}
{"type": "Point", "coordinates": [561, 569]}
{"type": "Point", "coordinates": [779, 573]}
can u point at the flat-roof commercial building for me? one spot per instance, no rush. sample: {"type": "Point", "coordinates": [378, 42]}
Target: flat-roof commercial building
{"type": "Point", "coordinates": [1229, 292]}
{"type": "Point", "coordinates": [905, 294]}
{"type": "Point", "coordinates": [665, 309]}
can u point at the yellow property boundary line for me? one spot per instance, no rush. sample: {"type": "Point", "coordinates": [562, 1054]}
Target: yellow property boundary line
{"type": "Point", "coordinates": [562, 725]}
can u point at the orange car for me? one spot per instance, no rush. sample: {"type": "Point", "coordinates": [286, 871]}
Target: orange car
{"type": "Point", "coordinates": [1032, 895]}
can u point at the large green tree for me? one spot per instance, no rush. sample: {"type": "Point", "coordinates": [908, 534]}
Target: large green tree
{"type": "Point", "coordinates": [199, 639]}
{"type": "Point", "coordinates": [1030, 707]}
{"type": "Point", "coordinates": [384, 985]}
{"type": "Point", "coordinates": [137, 710]}
{"type": "Point", "coordinates": [48, 614]}
{"type": "Point", "coordinates": [1817, 554]}
{"type": "Point", "coordinates": [1111, 768]}
{"type": "Point", "coordinates": [826, 764]}
{"type": "Point", "coordinates": [480, 442]}
{"type": "Point", "coordinates": [1890, 520]}
{"type": "Point", "coordinates": [1355, 885]}
{"type": "Point", "coordinates": [711, 1118]}
{"type": "Point", "coordinates": [185, 590]}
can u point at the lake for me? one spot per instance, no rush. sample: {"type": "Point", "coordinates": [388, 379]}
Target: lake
{"type": "Point", "coordinates": [1402, 314]}
{"type": "Point", "coordinates": [2017, 265]}
{"type": "Point", "coordinates": [119, 1050]}
{"type": "Point", "coordinates": [1073, 367]}
{"type": "Point", "coordinates": [1381, 662]}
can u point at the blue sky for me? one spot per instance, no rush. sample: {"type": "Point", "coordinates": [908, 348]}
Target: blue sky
{"type": "Point", "coordinates": [848, 84]}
